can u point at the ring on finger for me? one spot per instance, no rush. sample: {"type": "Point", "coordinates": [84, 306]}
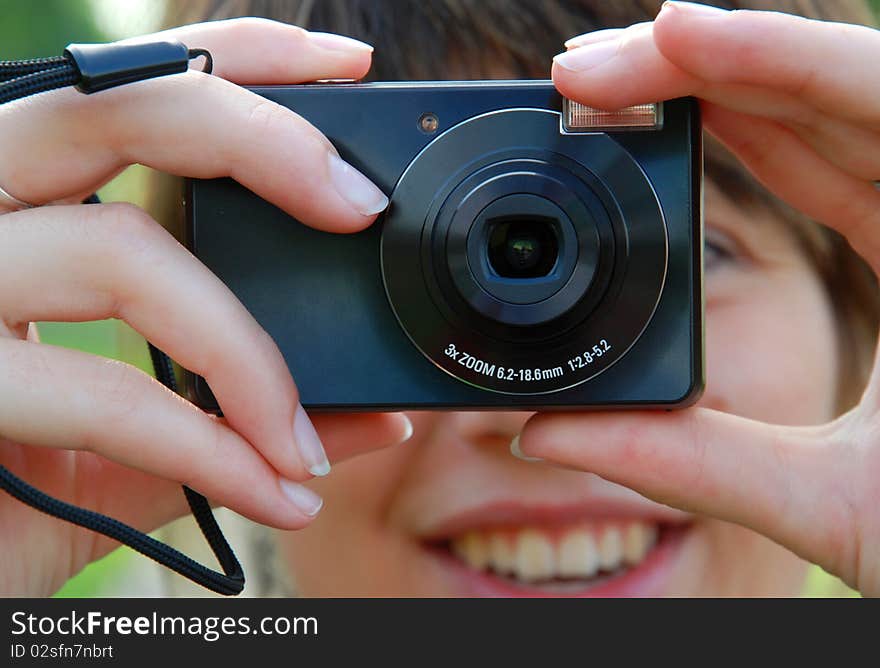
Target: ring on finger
{"type": "Point", "coordinates": [10, 202]}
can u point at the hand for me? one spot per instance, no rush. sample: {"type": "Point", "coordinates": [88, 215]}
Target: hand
{"type": "Point", "coordinates": [799, 103]}
{"type": "Point", "coordinates": [100, 433]}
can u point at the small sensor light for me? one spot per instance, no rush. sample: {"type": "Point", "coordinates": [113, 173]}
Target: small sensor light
{"type": "Point", "coordinates": [428, 123]}
{"type": "Point", "coordinates": [577, 117]}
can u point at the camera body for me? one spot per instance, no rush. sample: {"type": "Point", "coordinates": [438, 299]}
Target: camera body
{"type": "Point", "coordinates": [522, 264]}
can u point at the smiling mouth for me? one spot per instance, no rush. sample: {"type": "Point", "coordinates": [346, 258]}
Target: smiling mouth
{"type": "Point", "coordinates": [557, 558]}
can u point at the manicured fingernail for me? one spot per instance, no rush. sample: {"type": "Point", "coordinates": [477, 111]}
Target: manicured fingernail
{"type": "Point", "coordinates": [588, 56]}
{"type": "Point", "coordinates": [593, 37]}
{"type": "Point", "coordinates": [328, 40]}
{"type": "Point", "coordinates": [309, 444]}
{"type": "Point", "coordinates": [516, 452]}
{"type": "Point", "coordinates": [407, 434]}
{"type": "Point", "coordinates": [306, 501]}
{"type": "Point", "coordinates": [355, 188]}
{"type": "Point", "coordinates": [693, 8]}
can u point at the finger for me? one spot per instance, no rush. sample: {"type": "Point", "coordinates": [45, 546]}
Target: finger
{"type": "Point", "coordinates": [610, 84]}
{"type": "Point", "coordinates": [147, 502]}
{"type": "Point", "coordinates": [816, 187]}
{"type": "Point", "coordinates": [784, 482]}
{"type": "Point", "coordinates": [611, 69]}
{"type": "Point", "coordinates": [607, 34]}
{"type": "Point", "coordinates": [346, 436]}
{"type": "Point", "coordinates": [853, 148]}
{"type": "Point", "coordinates": [599, 73]}
{"type": "Point", "coordinates": [190, 125]}
{"type": "Point", "coordinates": [76, 263]}
{"type": "Point", "coordinates": [830, 65]}
{"type": "Point", "coordinates": [58, 398]}
{"type": "Point", "coordinates": [599, 70]}
{"type": "Point", "coordinates": [253, 51]}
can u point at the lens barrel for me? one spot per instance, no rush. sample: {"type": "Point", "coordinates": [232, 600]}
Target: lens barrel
{"type": "Point", "coordinates": [521, 260]}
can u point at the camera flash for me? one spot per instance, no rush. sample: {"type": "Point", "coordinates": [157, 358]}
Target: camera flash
{"type": "Point", "coordinates": [577, 117]}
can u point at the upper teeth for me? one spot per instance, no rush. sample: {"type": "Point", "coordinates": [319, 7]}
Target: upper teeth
{"type": "Point", "coordinates": [532, 554]}
{"type": "Point", "coordinates": [578, 555]}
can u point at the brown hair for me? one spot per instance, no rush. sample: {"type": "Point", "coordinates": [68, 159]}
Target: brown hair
{"type": "Point", "coordinates": [482, 39]}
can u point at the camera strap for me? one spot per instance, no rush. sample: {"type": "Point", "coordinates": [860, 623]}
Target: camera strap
{"type": "Point", "coordinates": [91, 68]}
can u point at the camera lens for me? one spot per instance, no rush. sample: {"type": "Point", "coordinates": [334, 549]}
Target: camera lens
{"type": "Point", "coordinates": [511, 253]}
{"type": "Point", "coordinates": [517, 259]}
{"type": "Point", "coordinates": [522, 248]}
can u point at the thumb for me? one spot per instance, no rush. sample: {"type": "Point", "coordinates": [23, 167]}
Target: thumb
{"type": "Point", "coordinates": [788, 483]}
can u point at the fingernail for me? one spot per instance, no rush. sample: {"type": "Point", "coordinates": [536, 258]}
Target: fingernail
{"type": "Point", "coordinates": [587, 57]}
{"type": "Point", "coordinates": [516, 452]}
{"type": "Point", "coordinates": [306, 501]}
{"type": "Point", "coordinates": [355, 188]}
{"type": "Point", "coordinates": [693, 8]}
{"type": "Point", "coordinates": [593, 37]}
{"type": "Point", "coordinates": [309, 444]}
{"type": "Point", "coordinates": [328, 40]}
{"type": "Point", "coordinates": [409, 429]}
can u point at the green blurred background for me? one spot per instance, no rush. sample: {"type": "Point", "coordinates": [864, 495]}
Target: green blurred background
{"type": "Point", "coordinates": [37, 28]}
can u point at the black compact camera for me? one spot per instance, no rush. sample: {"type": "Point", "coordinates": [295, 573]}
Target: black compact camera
{"type": "Point", "coordinates": [537, 254]}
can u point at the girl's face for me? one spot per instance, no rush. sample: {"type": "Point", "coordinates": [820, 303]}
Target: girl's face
{"type": "Point", "coordinates": [453, 513]}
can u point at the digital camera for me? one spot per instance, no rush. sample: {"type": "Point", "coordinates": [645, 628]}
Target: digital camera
{"type": "Point", "coordinates": [536, 254]}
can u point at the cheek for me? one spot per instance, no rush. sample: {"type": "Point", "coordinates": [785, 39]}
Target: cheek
{"type": "Point", "coordinates": [771, 352]}
{"type": "Point", "coordinates": [367, 557]}
{"type": "Point", "coordinates": [724, 559]}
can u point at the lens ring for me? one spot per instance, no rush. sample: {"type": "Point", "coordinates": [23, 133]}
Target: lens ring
{"type": "Point", "coordinates": [580, 254]}
{"type": "Point", "coordinates": [577, 199]}
{"type": "Point", "coordinates": [505, 272]}
{"type": "Point", "coordinates": [589, 338]}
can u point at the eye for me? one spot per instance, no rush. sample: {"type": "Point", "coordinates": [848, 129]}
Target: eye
{"type": "Point", "coordinates": [717, 250]}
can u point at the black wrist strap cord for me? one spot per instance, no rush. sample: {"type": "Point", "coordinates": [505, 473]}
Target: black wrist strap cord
{"type": "Point", "coordinates": [94, 67]}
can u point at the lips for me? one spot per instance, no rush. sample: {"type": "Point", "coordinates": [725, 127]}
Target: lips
{"type": "Point", "coordinates": [522, 551]}
{"type": "Point", "coordinates": [541, 554]}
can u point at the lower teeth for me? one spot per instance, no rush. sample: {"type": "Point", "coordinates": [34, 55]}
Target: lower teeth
{"type": "Point", "coordinates": [561, 583]}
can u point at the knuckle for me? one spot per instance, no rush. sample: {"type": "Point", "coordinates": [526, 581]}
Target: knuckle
{"type": "Point", "coordinates": [122, 248]}
{"type": "Point", "coordinates": [117, 388]}
{"type": "Point", "coordinates": [132, 241]}
{"type": "Point", "coordinates": [805, 82]}
{"type": "Point", "coordinates": [283, 42]}
{"type": "Point", "coordinates": [248, 23]}
{"type": "Point", "coordinates": [255, 27]}
{"type": "Point", "coordinates": [627, 43]}
{"type": "Point", "coordinates": [124, 226]}
{"type": "Point", "coordinates": [215, 448]}
{"type": "Point", "coordinates": [265, 118]}
{"type": "Point", "coordinates": [270, 358]}
{"type": "Point", "coordinates": [265, 346]}
{"type": "Point", "coordinates": [638, 446]}
{"type": "Point", "coordinates": [120, 386]}
{"type": "Point", "coordinates": [758, 152]}
{"type": "Point", "coordinates": [650, 447]}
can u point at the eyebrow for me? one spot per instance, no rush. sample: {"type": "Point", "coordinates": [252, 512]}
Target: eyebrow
{"type": "Point", "coordinates": [732, 181]}
{"type": "Point", "coordinates": [736, 185]}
